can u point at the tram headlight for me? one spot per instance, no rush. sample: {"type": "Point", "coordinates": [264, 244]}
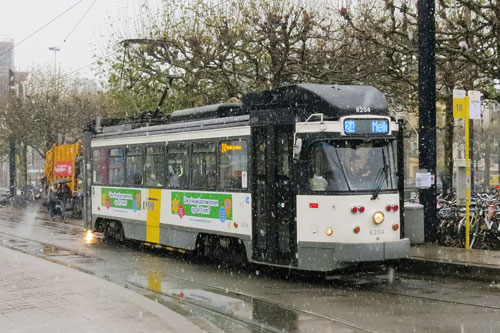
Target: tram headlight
{"type": "Point", "coordinates": [89, 236]}
{"type": "Point", "coordinates": [378, 217]}
{"type": "Point", "coordinates": [329, 231]}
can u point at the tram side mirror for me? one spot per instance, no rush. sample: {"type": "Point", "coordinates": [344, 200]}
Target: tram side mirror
{"type": "Point", "coordinates": [297, 148]}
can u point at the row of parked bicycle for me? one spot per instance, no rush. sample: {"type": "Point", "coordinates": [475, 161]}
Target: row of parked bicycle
{"type": "Point", "coordinates": [484, 221]}
{"type": "Point", "coordinates": [21, 197]}
{"type": "Point", "coordinates": [34, 194]}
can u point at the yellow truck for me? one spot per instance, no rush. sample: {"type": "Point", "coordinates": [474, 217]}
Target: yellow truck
{"type": "Point", "coordinates": [62, 165]}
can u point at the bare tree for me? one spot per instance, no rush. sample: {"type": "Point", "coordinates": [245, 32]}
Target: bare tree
{"type": "Point", "coordinates": [49, 110]}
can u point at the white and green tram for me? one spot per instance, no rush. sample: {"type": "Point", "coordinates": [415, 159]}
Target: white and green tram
{"type": "Point", "coordinates": [306, 176]}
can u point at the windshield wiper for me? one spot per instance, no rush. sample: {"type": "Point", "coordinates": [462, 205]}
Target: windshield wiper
{"type": "Point", "coordinates": [342, 168]}
{"type": "Point", "coordinates": [379, 181]}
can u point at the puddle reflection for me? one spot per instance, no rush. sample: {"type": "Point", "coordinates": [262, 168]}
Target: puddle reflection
{"type": "Point", "coordinates": [242, 308]}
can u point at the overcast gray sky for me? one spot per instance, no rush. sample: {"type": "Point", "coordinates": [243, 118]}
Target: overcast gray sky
{"type": "Point", "coordinates": [20, 18]}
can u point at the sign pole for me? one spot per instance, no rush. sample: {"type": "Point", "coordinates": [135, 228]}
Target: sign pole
{"type": "Point", "coordinates": [467, 107]}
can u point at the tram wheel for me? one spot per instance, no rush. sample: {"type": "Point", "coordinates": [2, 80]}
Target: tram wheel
{"type": "Point", "coordinates": [113, 231]}
{"type": "Point", "coordinates": [120, 233]}
{"type": "Point", "coordinates": [221, 249]}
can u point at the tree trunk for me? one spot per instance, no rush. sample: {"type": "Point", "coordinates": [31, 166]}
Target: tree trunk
{"type": "Point", "coordinates": [23, 165]}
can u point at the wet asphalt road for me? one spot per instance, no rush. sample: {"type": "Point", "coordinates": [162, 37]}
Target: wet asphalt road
{"type": "Point", "coordinates": [251, 299]}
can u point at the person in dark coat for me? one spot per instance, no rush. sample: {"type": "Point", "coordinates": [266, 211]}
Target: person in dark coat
{"type": "Point", "coordinates": [63, 195]}
{"type": "Point", "coordinates": [52, 199]}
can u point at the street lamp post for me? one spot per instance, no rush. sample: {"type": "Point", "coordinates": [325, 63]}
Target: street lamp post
{"type": "Point", "coordinates": [55, 49]}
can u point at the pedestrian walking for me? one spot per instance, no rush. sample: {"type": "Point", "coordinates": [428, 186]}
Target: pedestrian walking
{"type": "Point", "coordinates": [52, 200]}
{"type": "Point", "coordinates": [63, 196]}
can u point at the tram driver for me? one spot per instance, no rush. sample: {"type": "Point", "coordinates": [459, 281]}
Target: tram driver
{"type": "Point", "coordinates": [360, 174]}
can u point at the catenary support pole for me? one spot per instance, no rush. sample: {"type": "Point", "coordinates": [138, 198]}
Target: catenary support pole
{"type": "Point", "coordinates": [427, 110]}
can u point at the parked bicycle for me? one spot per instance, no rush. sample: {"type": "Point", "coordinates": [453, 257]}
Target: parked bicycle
{"type": "Point", "coordinates": [484, 224]}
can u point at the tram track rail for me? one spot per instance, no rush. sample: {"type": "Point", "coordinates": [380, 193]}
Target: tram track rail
{"type": "Point", "coordinates": [251, 325]}
{"type": "Point", "coordinates": [433, 299]}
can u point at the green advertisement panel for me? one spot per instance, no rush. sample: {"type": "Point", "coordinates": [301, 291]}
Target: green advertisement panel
{"type": "Point", "coordinates": [206, 205]}
{"type": "Point", "coordinates": [121, 198]}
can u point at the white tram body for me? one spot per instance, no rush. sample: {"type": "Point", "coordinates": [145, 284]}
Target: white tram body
{"type": "Point", "coordinates": [274, 179]}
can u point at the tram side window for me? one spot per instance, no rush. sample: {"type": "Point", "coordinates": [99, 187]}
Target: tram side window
{"type": "Point", "coordinates": [116, 166]}
{"type": "Point", "coordinates": [233, 164]}
{"type": "Point", "coordinates": [100, 166]}
{"type": "Point", "coordinates": [204, 165]}
{"type": "Point", "coordinates": [177, 165]}
{"type": "Point", "coordinates": [154, 166]}
{"type": "Point", "coordinates": [318, 169]}
{"type": "Point", "coordinates": [135, 165]}
{"type": "Point", "coordinates": [283, 154]}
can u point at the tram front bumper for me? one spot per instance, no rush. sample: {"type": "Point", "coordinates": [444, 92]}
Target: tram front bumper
{"type": "Point", "coordinates": [318, 256]}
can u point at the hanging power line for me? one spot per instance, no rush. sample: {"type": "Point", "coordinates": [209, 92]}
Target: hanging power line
{"type": "Point", "coordinates": [33, 33]}
{"type": "Point", "coordinates": [88, 65]}
{"type": "Point", "coordinates": [112, 53]}
{"type": "Point", "coordinates": [77, 23]}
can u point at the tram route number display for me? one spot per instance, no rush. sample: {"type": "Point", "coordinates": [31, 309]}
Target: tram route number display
{"type": "Point", "coordinates": [366, 126]}
{"type": "Point", "coordinates": [121, 198]}
{"type": "Point", "coordinates": [203, 205]}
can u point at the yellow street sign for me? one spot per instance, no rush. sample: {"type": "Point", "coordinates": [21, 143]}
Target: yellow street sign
{"type": "Point", "coordinates": [460, 104]}
{"type": "Point", "coordinates": [460, 107]}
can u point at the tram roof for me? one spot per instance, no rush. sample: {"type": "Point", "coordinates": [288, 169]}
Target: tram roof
{"type": "Point", "coordinates": [282, 105]}
{"type": "Point", "coordinates": [332, 100]}
{"type": "Point", "coordinates": [208, 111]}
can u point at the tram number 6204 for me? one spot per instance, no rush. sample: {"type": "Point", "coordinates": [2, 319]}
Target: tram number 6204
{"type": "Point", "coordinates": [375, 232]}
{"type": "Point", "coordinates": [363, 109]}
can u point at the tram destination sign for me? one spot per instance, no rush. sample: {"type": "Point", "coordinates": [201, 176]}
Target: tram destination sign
{"type": "Point", "coordinates": [355, 126]}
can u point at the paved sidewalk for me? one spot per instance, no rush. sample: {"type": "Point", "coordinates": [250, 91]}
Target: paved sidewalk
{"type": "Point", "coordinates": [460, 256]}
{"type": "Point", "coordinates": [452, 261]}
{"type": "Point", "coordinates": [40, 296]}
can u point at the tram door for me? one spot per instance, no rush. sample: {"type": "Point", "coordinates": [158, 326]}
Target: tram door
{"type": "Point", "coordinates": [274, 230]}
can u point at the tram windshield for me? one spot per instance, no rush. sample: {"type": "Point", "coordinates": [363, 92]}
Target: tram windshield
{"type": "Point", "coordinates": [352, 165]}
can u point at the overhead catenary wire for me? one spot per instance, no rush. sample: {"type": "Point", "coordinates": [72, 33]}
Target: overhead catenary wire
{"type": "Point", "coordinates": [77, 23]}
{"type": "Point", "coordinates": [88, 65]}
{"type": "Point", "coordinates": [107, 55]}
{"type": "Point", "coordinates": [102, 57]}
{"type": "Point", "coordinates": [42, 27]}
